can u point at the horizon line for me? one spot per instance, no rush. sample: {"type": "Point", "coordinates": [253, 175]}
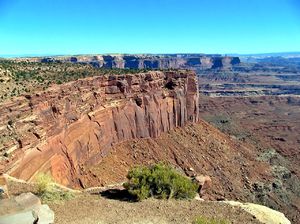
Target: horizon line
{"type": "Point", "coordinates": [83, 54]}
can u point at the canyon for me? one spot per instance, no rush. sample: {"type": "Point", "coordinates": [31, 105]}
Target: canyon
{"type": "Point", "coordinates": [87, 124]}
{"type": "Point", "coordinates": [252, 79]}
{"type": "Point", "coordinates": [72, 125]}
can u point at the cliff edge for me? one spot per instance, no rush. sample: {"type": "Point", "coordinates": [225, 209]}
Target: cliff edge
{"type": "Point", "coordinates": [72, 125]}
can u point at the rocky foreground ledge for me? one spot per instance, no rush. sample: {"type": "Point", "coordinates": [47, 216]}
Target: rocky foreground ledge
{"type": "Point", "coordinates": [72, 125]}
{"type": "Point", "coordinates": [25, 209]}
{"type": "Point", "coordinates": [102, 207]}
{"type": "Point", "coordinates": [28, 209]}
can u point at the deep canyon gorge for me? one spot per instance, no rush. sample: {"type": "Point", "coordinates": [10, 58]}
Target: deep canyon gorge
{"type": "Point", "coordinates": [87, 126]}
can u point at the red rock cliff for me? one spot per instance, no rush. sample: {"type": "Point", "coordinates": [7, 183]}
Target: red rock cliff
{"type": "Point", "coordinates": [72, 125]}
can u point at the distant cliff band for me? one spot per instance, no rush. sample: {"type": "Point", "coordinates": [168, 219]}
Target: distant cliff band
{"type": "Point", "coordinates": [175, 61]}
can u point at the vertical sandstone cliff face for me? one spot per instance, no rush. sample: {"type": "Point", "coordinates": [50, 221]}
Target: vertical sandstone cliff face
{"type": "Point", "coordinates": [75, 124]}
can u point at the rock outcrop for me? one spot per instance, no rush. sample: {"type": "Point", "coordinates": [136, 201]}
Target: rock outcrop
{"type": "Point", "coordinates": [204, 183]}
{"type": "Point", "coordinates": [262, 213]}
{"type": "Point", "coordinates": [24, 209]}
{"type": "Point", "coordinates": [75, 124]}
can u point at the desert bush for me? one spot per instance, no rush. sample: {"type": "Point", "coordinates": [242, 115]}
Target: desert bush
{"type": "Point", "coordinates": [56, 195]}
{"type": "Point", "coordinates": [160, 181]}
{"type": "Point", "coordinates": [43, 183]}
{"type": "Point", "coordinates": [47, 190]}
{"type": "Point", "coordinates": [204, 220]}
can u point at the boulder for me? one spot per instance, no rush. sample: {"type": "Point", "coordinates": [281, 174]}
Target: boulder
{"type": "Point", "coordinates": [28, 200]}
{"type": "Point", "coordinates": [25, 208]}
{"type": "Point", "coordinates": [204, 183]}
{"type": "Point", "coordinates": [262, 213]}
{"type": "Point", "coordinates": [23, 217]}
{"type": "Point", "coordinates": [45, 214]}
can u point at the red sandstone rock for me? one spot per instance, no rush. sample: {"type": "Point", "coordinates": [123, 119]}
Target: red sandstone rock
{"type": "Point", "coordinates": [77, 123]}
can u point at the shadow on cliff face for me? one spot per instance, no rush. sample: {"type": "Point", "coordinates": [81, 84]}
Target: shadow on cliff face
{"type": "Point", "coordinates": [118, 194]}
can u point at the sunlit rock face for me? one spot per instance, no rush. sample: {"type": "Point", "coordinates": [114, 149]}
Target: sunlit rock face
{"type": "Point", "coordinates": [73, 125]}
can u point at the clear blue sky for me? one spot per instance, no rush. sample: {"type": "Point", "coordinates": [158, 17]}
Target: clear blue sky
{"type": "Point", "coordinates": [148, 26]}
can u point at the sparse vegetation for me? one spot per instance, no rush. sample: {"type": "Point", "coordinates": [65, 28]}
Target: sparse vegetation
{"type": "Point", "coordinates": [47, 190]}
{"type": "Point", "coordinates": [43, 183]}
{"type": "Point", "coordinates": [203, 220]}
{"type": "Point", "coordinates": [227, 124]}
{"type": "Point", "coordinates": [160, 181]}
{"type": "Point", "coordinates": [20, 77]}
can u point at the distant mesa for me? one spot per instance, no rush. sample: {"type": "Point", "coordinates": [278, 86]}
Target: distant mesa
{"type": "Point", "coordinates": [164, 61]}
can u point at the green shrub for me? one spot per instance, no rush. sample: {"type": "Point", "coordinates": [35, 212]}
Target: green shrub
{"type": "Point", "coordinates": [56, 195]}
{"type": "Point", "coordinates": [43, 183]}
{"type": "Point", "coordinates": [203, 220]}
{"type": "Point", "coordinates": [48, 191]}
{"type": "Point", "coordinates": [160, 181]}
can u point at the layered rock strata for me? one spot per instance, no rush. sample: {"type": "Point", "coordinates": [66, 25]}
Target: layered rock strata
{"type": "Point", "coordinates": [171, 61]}
{"type": "Point", "coordinates": [67, 127]}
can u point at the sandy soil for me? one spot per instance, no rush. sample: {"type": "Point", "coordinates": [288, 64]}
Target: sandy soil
{"type": "Point", "coordinates": [96, 209]}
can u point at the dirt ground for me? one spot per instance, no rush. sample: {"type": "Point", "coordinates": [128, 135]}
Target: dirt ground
{"type": "Point", "coordinates": [113, 205]}
{"type": "Point", "coordinates": [96, 209]}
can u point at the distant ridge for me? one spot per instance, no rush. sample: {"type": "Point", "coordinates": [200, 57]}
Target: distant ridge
{"type": "Point", "coordinates": [261, 55]}
{"type": "Point", "coordinates": [276, 54]}
{"type": "Point", "coordinates": [100, 54]}
{"type": "Point", "coordinates": [28, 55]}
